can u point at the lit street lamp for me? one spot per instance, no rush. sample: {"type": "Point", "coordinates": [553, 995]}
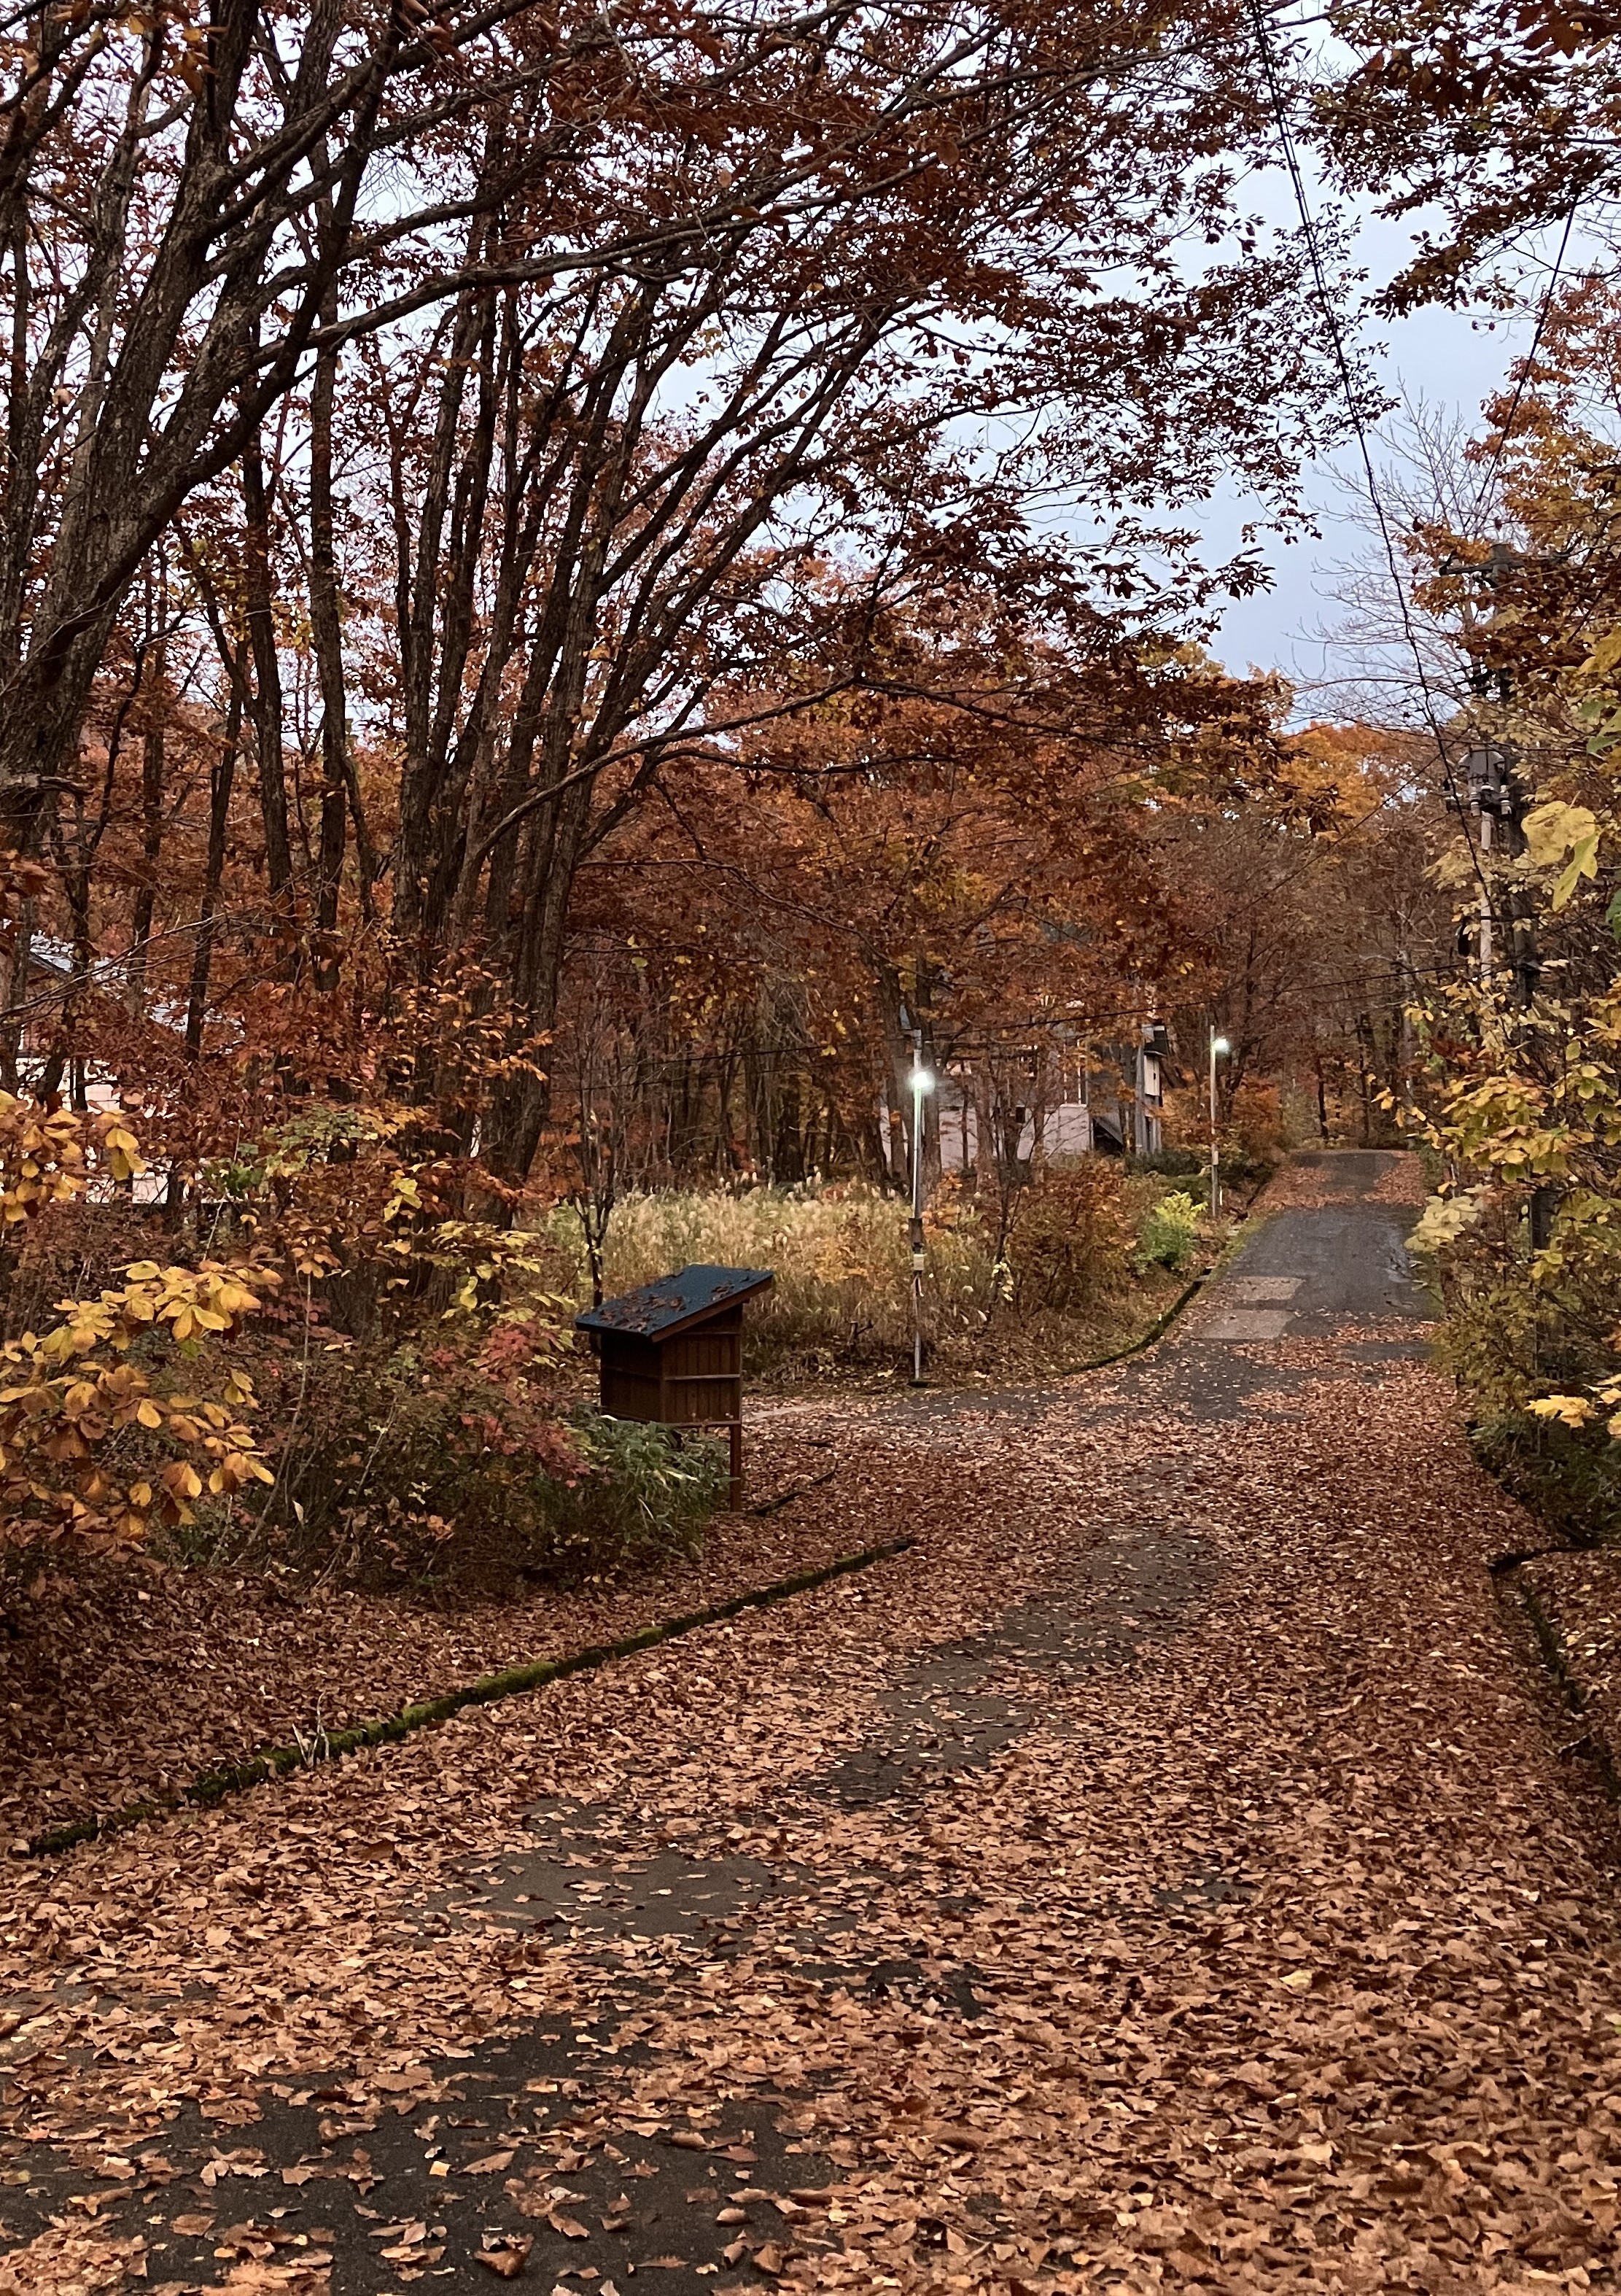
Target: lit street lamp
{"type": "Point", "coordinates": [921, 1082]}
{"type": "Point", "coordinates": [1218, 1046]}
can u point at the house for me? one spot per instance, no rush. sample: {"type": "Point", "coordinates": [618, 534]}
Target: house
{"type": "Point", "coordinates": [1106, 1099]}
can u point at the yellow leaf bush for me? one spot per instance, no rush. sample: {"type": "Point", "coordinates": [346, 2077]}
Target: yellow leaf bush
{"type": "Point", "coordinates": [52, 1155]}
{"type": "Point", "coordinates": [105, 1426]}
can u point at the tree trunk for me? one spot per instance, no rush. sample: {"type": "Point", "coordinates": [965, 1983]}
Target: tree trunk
{"type": "Point", "coordinates": [326, 631]}
{"type": "Point", "coordinates": [221, 779]}
{"type": "Point", "coordinates": [266, 706]}
{"type": "Point", "coordinates": [152, 760]}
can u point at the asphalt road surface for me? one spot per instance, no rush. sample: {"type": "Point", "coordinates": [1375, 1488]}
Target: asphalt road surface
{"type": "Point", "coordinates": [1213, 1905]}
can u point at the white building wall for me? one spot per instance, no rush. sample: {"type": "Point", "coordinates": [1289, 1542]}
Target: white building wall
{"type": "Point", "coordinates": [1066, 1132]}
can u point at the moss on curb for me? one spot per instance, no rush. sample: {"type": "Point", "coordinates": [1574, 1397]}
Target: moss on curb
{"type": "Point", "coordinates": [1594, 1743]}
{"type": "Point", "coordinates": [207, 1791]}
{"type": "Point", "coordinates": [1156, 1329]}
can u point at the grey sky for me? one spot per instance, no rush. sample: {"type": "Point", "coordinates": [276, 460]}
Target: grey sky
{"type": "Point", "coordinates": [1447, 359]}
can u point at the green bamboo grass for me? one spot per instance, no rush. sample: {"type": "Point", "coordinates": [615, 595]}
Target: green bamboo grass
{"type": "Point", "coordinates": [330, 1745]}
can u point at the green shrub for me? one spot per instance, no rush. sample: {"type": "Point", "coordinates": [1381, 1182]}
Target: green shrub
{"type": "Point", "coordinates": [643, 1493]}
{"type": "Point", "coordinates": [1513, 1332]}
{"type": "Point", "coordinates": [430, 1464]}
{"type": "Point", "coordinates": [1168, 1232]}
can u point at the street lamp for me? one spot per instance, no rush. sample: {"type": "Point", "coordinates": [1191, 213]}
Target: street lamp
{"type": "Point", "coordinates": [922, 1081]}
{"type": "Point", "coordinates": [1219, 1047]}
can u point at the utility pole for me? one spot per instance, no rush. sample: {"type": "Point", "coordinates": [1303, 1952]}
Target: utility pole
{"type": "Point", "coordinates": [1485, 795]}
{"type": "Point", "coordinates": [1492, 790]}
{"type": "Point", "coordinates": [1408, 981]}
{"type": "Point", "coordinates": [921, 1082]}
{"type": "Point", "coordinates": [1496, 793]}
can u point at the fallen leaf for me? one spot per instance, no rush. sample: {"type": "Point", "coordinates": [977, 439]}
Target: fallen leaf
{"type": "Point", "coordinates": [307, 2277]}
{"type": "Point", "coordinates": [1353, 1499]}
{"type": "Point", "coordinates": [491, 2165]}
{"type": "Point", "coordinates": [508, 2261]}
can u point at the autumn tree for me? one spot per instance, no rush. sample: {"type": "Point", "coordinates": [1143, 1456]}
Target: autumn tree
{"type": "Point", "coordinates": [1524, 1073]}
{"type": "Point", "coordinates": [458, 451]}
{"type": "Point", "coordinates": [1486, 123]}
{"type": "Point", "coordinates": [476, 500]}
{"type": "Point", "coordinates": [1318, 924]}
{"type": "Point", "coordinates": [974, 854]}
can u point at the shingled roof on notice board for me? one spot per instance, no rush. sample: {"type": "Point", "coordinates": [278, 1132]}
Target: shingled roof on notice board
{"type": "Point", "coordinates": [653, 1311]}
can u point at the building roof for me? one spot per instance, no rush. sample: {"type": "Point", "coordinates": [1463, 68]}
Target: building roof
{"type": "Point", "coordinates": [655, 1310]}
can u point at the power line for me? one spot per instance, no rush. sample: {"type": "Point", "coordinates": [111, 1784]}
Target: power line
{"type": "Point", "coordinates": [1347, 385]}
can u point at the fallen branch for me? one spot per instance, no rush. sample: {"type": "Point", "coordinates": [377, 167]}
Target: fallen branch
{"type": "Point", "coordinates": [786, 1498]}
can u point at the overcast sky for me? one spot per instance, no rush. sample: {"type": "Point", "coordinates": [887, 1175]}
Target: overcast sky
{"type": "Point", "coordinates": [1445, 358]}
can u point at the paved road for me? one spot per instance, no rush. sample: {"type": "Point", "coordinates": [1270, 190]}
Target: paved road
{"type": "Point", "coordinates": [1325, 1264]}
{"type": "Point", "coordinates": [1210, 1904]}
{"type": "Point", "coordinates": [1335, 1265]}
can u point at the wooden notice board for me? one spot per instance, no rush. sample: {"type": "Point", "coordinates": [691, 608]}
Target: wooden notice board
{"type": "Point", "coordinates": [672, 1351]}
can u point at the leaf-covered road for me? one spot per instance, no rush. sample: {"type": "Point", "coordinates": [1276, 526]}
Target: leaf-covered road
{"type": "Point", "coordinates": [1165, 1874]}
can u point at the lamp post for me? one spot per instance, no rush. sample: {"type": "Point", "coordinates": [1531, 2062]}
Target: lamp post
{"type": "Point", "coordinates": [1218, 1046]}
{"type": "Point", "coordinates": [921, 1082]}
